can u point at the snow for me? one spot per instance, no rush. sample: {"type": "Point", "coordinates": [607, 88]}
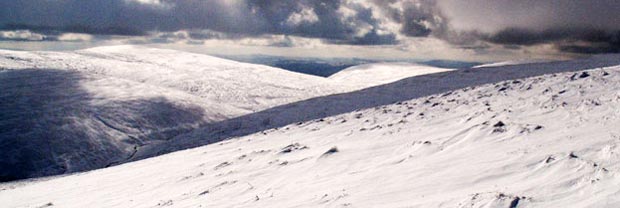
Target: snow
{"type": "Point", "coordinates": [375, 74]}
{"type": "Point", "coordinates": [65, 112]}
{"type": "Point", "coordinates": [97, 107]}
{"type": "Point", "coordinates": [512, 62]}
{"type": "Point", "coordinates": [244, 86]}
{"type": "Point", "coordinates": [533, 135]}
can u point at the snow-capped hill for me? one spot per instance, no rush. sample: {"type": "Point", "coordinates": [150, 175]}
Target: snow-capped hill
{"type": "Point", "coordinates": [73, 111]}
{"type": "Point", "coordinates": [368, 75]}
{"type": "Point", "coordinates": [245, 85]}
{"type": "Point", "coordinates": [510, 63]}
{"type": "Point", "coordinates": [161, 56]}
{"type": "Point", "coordinates": [543, 136]}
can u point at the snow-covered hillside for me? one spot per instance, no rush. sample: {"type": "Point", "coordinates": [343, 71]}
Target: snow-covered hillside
{"type": "Point", "coordinates": [97, 107]}
{"type": "Point", "coordinates": [238, 87]}
{"type": "Point", "coordinates": [80, 110]}
{"type": "Point", "coordinates": [368, 75]}
{"type": "Point", "coordinates": [537, 135]}
{"type": "Point", "coordinates": [405, 89]}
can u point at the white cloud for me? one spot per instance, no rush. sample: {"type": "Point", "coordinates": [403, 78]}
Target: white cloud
{"type": "Point", "coordinates": [348, 17]}
{"type": "Point", "coordinates": [159, 4]}
{"type": "Point", "coordinates": [21, 35]}
{"type": "Point", "coordinates": [306, 15]}
{"type": "Point", "coordinates": [75, 37]}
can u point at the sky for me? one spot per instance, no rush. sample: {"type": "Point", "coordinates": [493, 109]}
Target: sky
{"type": "Point", "coordinates": [468, 30]}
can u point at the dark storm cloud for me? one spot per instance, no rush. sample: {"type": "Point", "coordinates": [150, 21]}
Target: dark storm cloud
{"type": "Point", "coordinates": [239, 18]}
{"type": "Point", "coordinates": [417, 18]}
{"type": "Point", "coordinates": [360, 24]}
{"type": "Point", "coordinates": [331, 24]}
{"type": "Point", "coordinates": [574, 40]}
{"type": "Point", "coordinates": [577, 26]}
{"type": "Point", "coordinates": [125, 17]}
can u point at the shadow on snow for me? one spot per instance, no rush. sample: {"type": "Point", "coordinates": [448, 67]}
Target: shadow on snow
{"type": "Point", "coordinates": [50, 125]}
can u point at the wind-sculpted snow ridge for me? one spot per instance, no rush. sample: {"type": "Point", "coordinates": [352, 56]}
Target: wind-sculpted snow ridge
{"type": "Point", "coordinates": [528, 136]}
